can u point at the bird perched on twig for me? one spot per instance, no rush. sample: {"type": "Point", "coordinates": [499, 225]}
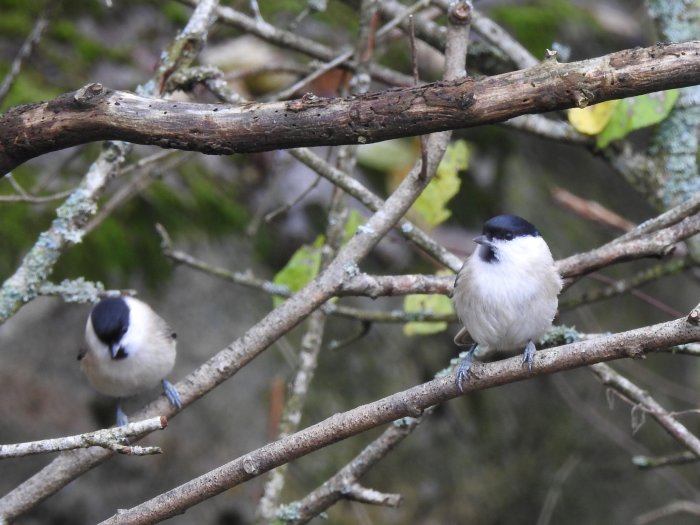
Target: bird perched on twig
{"type": "Point", "coordinates": [130, 349]}
{"type": "Point", "coordinates": [505, 295]}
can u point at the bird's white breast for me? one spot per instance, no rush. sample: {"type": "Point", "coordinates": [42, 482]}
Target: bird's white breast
{"type": "Point", "coordinates": [150, 350]}
{"type": "Point", "coordinates": [507, 302]}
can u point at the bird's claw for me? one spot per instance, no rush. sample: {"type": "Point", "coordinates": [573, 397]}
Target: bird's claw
{"type": "Point", "coordinates": [172, 394]}
{"type": "Point", "coordinates": [122, 419]}
{"type": "Point", "coordinates": [464, 367]}
{"type": "Point", "coordinates": [529, 355]}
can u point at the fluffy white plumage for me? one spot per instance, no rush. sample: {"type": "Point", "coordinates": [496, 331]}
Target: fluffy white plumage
{"type": "Point", "coordinates": [148, 347]}
{"type": "Point", "coordinates": [505, 295]}
{"type": "Point", "coordinates": [506, 303]}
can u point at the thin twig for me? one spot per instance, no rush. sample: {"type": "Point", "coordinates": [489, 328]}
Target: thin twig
{"type": "Point", "coordinates": [416, 81]}
{"type": "Point", "coordinates": [669, 423]}
{"type": "Point", "coordinates": [676, 507]}
{"type": "Point", "coordinates": [590, 210]}
{"type": "Point", "coordinates": [649, 462]}
{"type": "Point", "coordinates": [25, 51]}
{"type": "Point", "coordinates": [110, 438]}
{"type": "Point", "coordinates": [345, 56]}
{"type": "Point", "coordinates": [628, 285]}
{"type": "Point", "coordinates": [666, 219]}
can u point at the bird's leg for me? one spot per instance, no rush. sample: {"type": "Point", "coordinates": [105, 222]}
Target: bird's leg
{"type": "Point", "coordinates": [464, 366]}
{"type": "Point", "coordinates": [172, 394]}
{"type": "Point", "coordinates": [529, 355]}
{"type": "Point", "coordinates": [122, 419]}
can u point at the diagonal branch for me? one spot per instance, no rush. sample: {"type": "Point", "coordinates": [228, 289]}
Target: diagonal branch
{"type": "Point", "coordinates": [670, 424]}
{"type": "Point", "coordinates": [97, 113]}
{"type": "Point", "coordinates": [411, 402]}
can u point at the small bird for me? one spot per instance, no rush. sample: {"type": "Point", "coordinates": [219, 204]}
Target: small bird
{"type": "Point", "coordinates": [505, 295]}
{"type": "Point", "coordinates": [130, 349]}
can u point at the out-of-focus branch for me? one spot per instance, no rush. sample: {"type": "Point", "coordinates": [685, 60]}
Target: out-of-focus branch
{"type": "Point", "coordinates": [373, 202]}
{"type": "Point", "coordinates": [334, 489]}
{"type": "Point", "coordinates": [628, 285]}
{"type": "Point", "coordinates": [292, 40]}
{"type": "Point", "coordinates": [25, 51]}
{"type": "Point", "coordinates": [649, 405]}
{"type": "Point", "coordinates": [668, 218]}
{"type": "Point", "coordinates": [676, 507]}
{"type": "Point", "coordinates": [655, 244]}
{"type": "Point", "coordinates": [647, 462]}
{"type": "Point", "coordinates": [66, 229]}
{"type": "Point", "coordinates": [110, 438]}
{"type": "Point", "coordinates": [345, 56]}
{"type": "Point", "coordinates": [590, 210]}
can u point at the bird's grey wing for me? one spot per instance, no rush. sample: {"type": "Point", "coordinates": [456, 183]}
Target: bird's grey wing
{"type": "Point", "coordinates": [459, 274]}
{"type": "Point", "coordinates": [164, 328]}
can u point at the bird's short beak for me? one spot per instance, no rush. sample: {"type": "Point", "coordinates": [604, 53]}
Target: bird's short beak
{"type": "Point", "coordinates": [114, 350]}
{"type": "Point", "coordinates": [483, 241]}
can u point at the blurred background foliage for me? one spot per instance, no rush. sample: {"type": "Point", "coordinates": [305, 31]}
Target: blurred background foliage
{"type": "Point", "coordinates": [493, 457]}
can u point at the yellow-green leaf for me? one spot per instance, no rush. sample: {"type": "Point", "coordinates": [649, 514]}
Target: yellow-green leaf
{"type": "Point", "coordinates": [592, 119]}
{"type": "Point", "coordinates": [637, 112]}
{"type": "Point", "coordinates": [354, 221]}
{"type": "Point", "coordinates": [388, 155]}
{"type": "Point", "coordinates": [432, 203]}
{"type": "Point", "coordinates": [420, 304]}
{"type": "Point", "coordinates": [301, 268]}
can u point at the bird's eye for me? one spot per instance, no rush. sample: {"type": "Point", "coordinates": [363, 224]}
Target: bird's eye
{"type": "Point", "coordinates": [508, 236]}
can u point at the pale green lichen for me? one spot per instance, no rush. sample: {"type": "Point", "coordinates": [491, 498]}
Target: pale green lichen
{"type": "Point", "coordinates": [676, 141]}
{"type": "Point", "coordinates": [74, 290]}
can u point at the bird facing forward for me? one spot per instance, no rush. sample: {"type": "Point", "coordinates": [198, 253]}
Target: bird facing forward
{"type": "Point", "coordinates": [130, 349]}
{"type": "Point", "coordinates": [505, 295]}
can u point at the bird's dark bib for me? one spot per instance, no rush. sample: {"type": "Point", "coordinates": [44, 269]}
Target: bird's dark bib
{"type": "Point", "coordinates": [121, 354]}
{"type": "Point", "coordinates": [487, 254]}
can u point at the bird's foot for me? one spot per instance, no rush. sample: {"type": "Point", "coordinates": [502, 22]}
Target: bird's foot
{"type": "Point", "coordinates": [122, 419]}
{"type": "Point", "coordinates": [464, 367]}
{"type": "Point", "coordinates": [172, 394]}
{"type": "Point", "coordinates": [529, 355]}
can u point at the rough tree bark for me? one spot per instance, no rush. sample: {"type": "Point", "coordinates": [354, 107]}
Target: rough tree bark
{"type": "Point", "coordinates": [95, 113]}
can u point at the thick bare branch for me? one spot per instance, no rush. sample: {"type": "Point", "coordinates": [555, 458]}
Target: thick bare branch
{"type": "Point", "coordinates": [96, 113]}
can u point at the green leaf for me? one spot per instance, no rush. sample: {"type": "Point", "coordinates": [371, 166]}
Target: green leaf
{"type": "Point", "coordinates": [538, 23]}
{"type": "Point", "coordinates": [435, 304]}
{"type": "Point", "coordinates": [354, 221]}
{"type": "Point", "coordinates": [388, 155]}
{"type": "Point", "coordinates": [302, 267]}
{"type": "Point", "coordinates": [637, 112]}
{"type": "Point", "coordinates": [432, 203]}
{"type": "Point", "coordinates": [592, 119]}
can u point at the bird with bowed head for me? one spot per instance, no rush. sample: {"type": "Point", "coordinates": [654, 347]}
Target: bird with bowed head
{"type": "Point", "coordinates": [130, 349]}
{"type": "Point", "coordinates": [505, 295]}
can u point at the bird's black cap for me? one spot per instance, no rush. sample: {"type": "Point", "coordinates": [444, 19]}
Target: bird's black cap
{"type": "Point", "coordinates": [110, 319]}
{"type": "Point", "coordinates": [507, 227]}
